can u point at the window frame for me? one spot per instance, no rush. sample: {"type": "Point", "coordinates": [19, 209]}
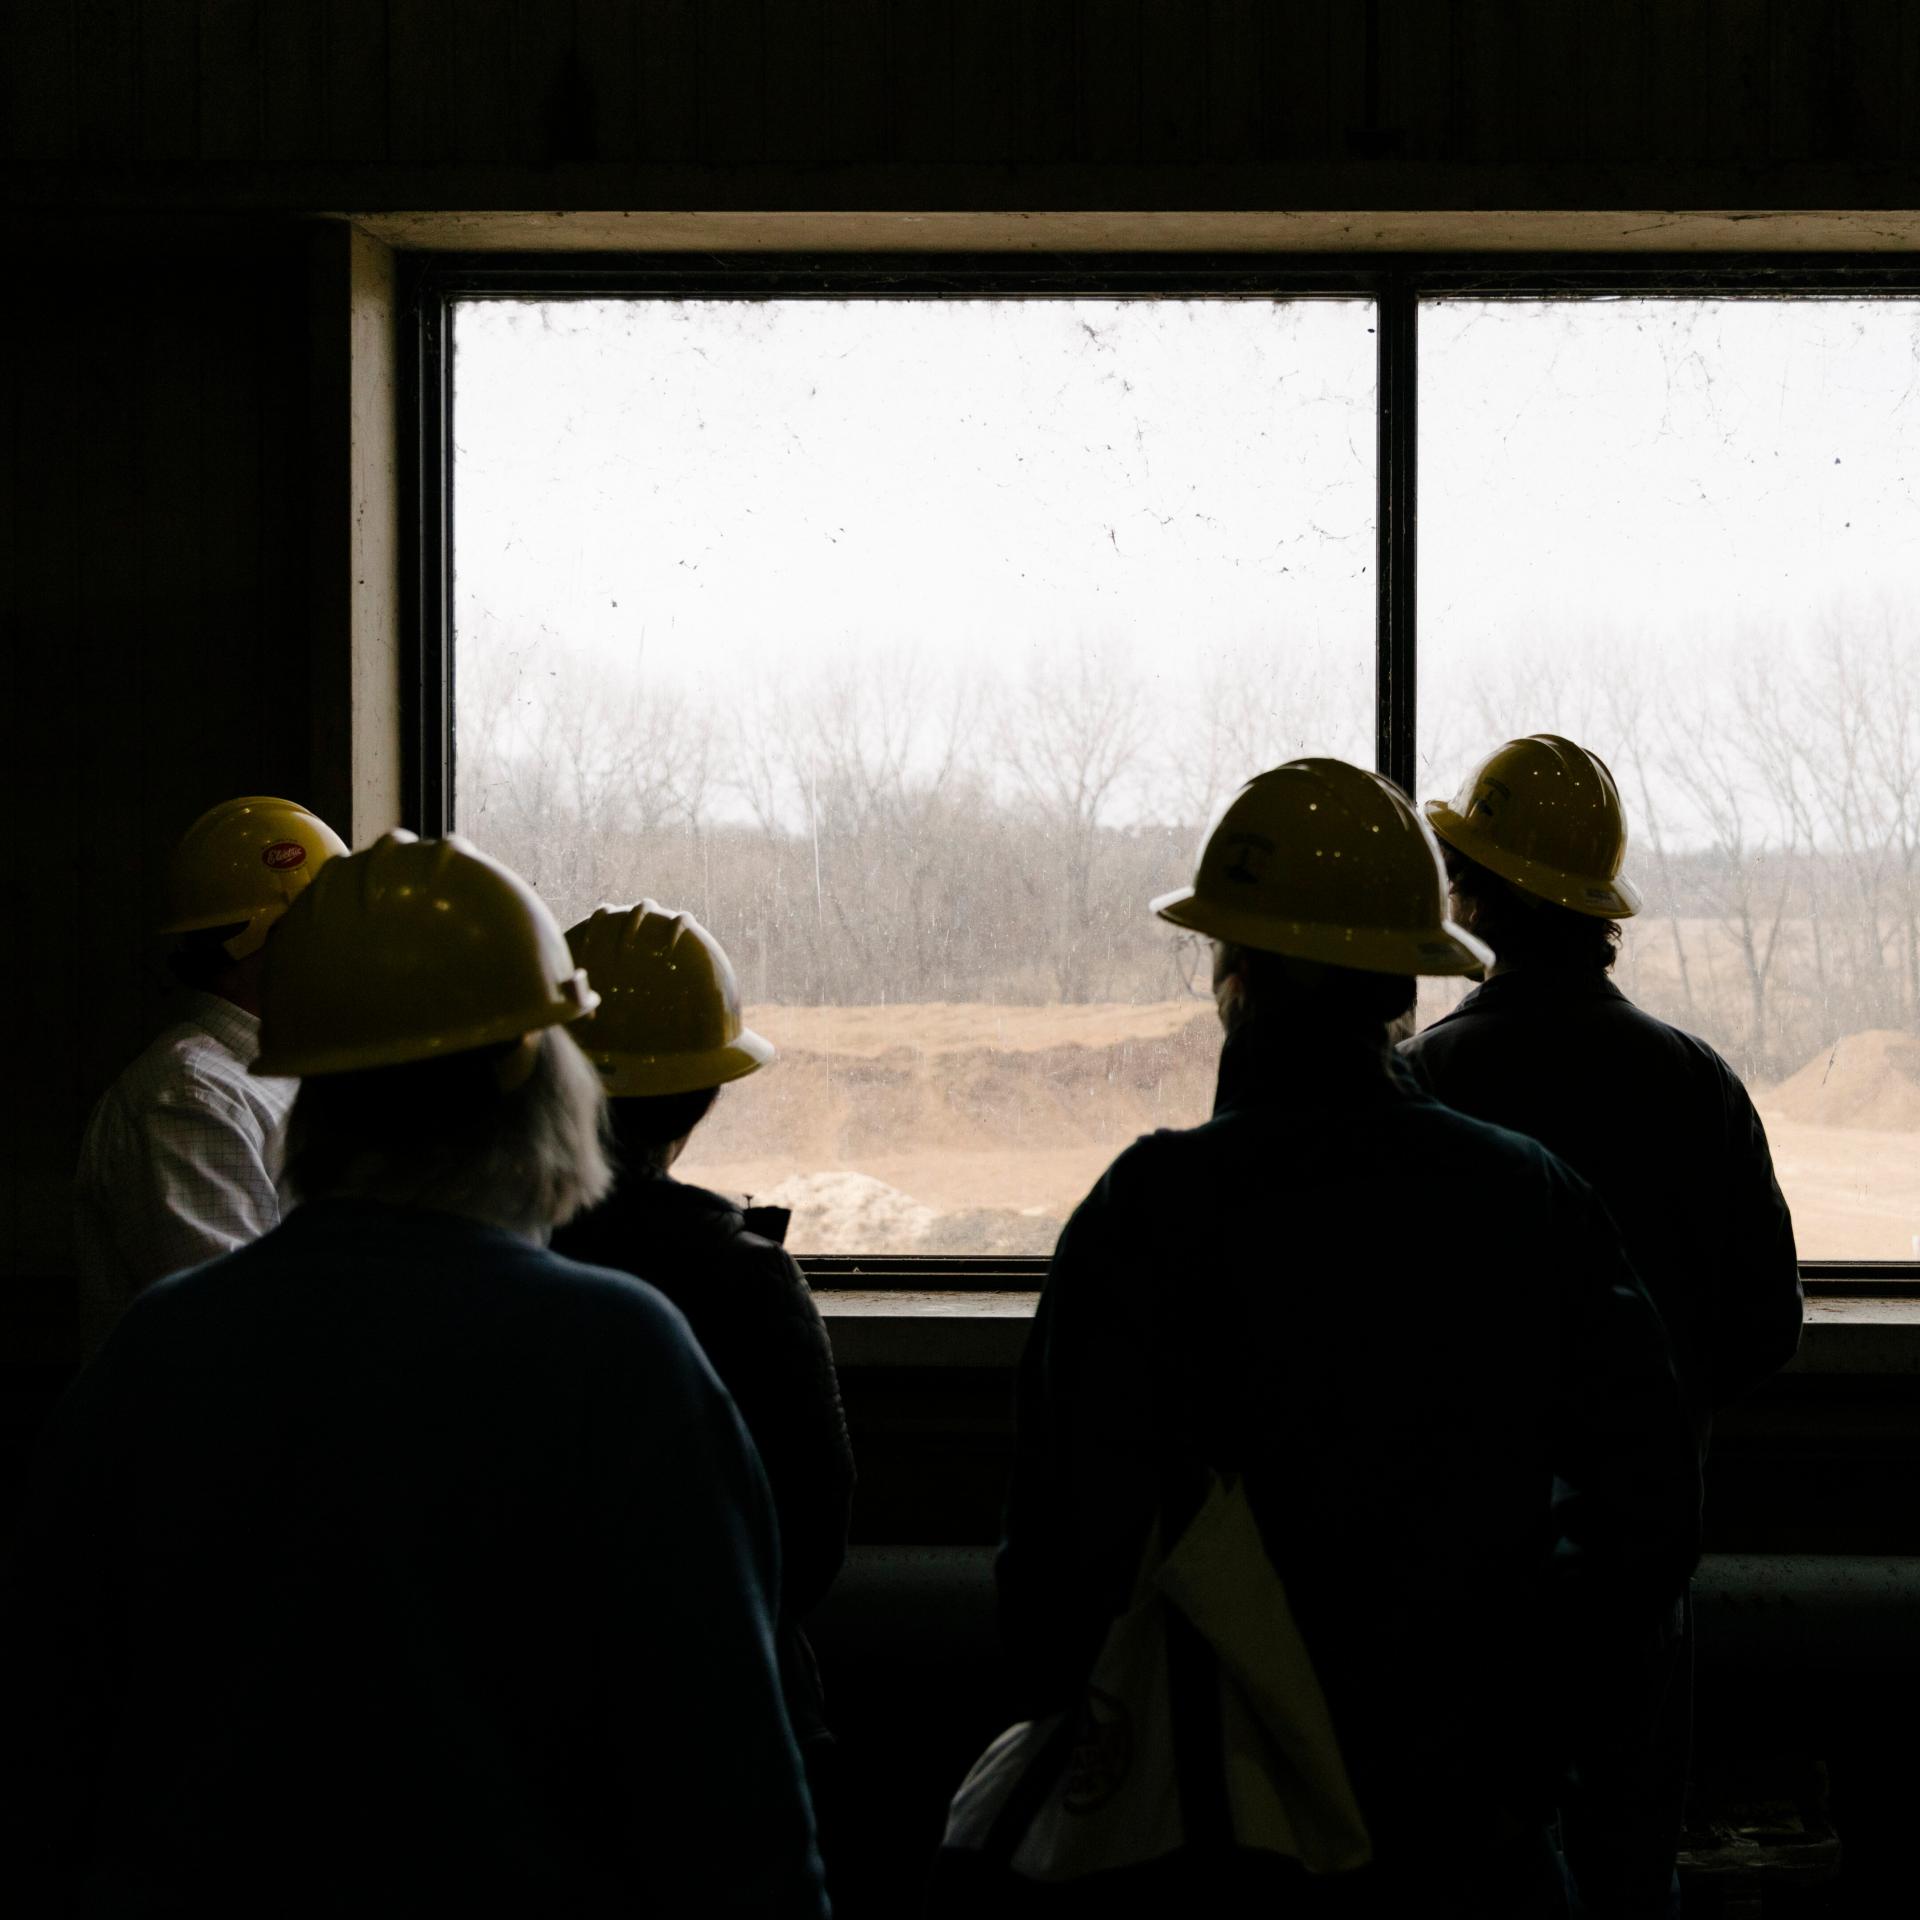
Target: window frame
{"type": "Point", "coordinates": [431, 284]}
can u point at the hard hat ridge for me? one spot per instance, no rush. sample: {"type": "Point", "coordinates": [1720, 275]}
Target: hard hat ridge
{"type": "Point", "coordinates": [1545, 815]}
{"type": "Point", "coordinates": [670, 1019]}
{"type": "Point", "coordinates": [1325, 861]}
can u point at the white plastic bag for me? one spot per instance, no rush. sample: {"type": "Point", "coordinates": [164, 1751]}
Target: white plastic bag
{"type": "Point", "coordinates": [1052, 1802]}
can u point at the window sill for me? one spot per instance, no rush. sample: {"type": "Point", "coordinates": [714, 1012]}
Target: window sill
{"type": "Point", "coordinates": [1845, 1334]}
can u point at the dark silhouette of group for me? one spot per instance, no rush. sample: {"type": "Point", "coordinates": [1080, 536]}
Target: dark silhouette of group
{"type": "Point", "coordinates": [434, 1527]}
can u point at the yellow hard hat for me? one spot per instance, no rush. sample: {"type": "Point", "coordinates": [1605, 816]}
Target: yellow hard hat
{"type": "Point", "coordinates": [409, 951]}
{"type": "Point", "coordinates": [1545, 814]}
{"type": "Point", "coordinates": [1325, 861]}
{"type": "Point", "coordinates": [669, 1018]}
{"type": "Point", "coordinates": [243, 862]}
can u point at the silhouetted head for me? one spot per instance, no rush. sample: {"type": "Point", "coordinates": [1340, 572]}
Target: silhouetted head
{"type": "Point", "coordinates": [650, 1131]}
{"type": "Point", "coordinates": [202, 960]}
{"type": "Point", "coordinates": [512, 1134]}
{"type": "Point", "coordinates": [1523, 929]}
{"type": "Point", "coordinates": [1336, 1002]}
{"type": "Point", "coordinates": [418, 991]}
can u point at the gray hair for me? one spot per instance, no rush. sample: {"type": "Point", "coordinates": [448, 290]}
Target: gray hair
{"type": "Point", "coordinates": [473, 1133]}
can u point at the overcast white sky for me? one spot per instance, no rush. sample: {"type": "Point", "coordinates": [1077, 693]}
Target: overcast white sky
{"type": "Point", "coordinates": [712, 488]}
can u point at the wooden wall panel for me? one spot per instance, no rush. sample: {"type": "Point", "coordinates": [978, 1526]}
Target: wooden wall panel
{"type": "Point", "coordinates": [354, 77]}
{"type": "Point", "coordinates": [107, 108]}
{"type": "Point", "coordinates": [482, 92]}
{"type": "Point", "coordinates": [454, 102]}
{"type": "Point", "coordinates": [293, 85]}
{"type": "Point", "coordinates": [732, 79]}
{"type": "Point", "coordinates": [1108, 66]}
{"type": "Point", "coordinates": [1235, 84]}
{"type": "Point", "coordinates": [666, 80]}
{"type": "Point", "coordinates": [37, 81]}
{"type": "Point", "coordinates": [925, 106]}
{"type": "Point", "coordinates": [424, 43]}
{"type": "Point", "coordinates": [1174, 40]}
{"type": "Point", "coordinates": [983, 53]}
{"type": "Point", "coordinates": [1048, 97]}
{"type": "Point", "coordinates": [169, 56]}
{"type": "Point", "coordinates": [609, 50]}
{"type": "Point", "coordinates": [859, 118]}
{"type": "Point", "coordinates": [232, 81]}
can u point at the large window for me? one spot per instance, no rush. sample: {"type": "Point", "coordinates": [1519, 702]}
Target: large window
{"type": "Point", "coordinates": [910, 644]}
{"type": "Point", "coordinates": [1687, 532]}
{"type": "Point", "coordinates": [908, 629]}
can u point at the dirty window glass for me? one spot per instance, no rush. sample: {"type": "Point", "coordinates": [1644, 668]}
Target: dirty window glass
{"type": "Point", "coordinates": [910, 645]}
{"type": "Point", "coordinates": [1686, 533]}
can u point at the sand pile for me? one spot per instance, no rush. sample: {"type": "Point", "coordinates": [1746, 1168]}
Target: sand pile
{"type": "Point", "coordinates": [950, 1128]}
{"type": "Point", "coordinates": [850, 1211]}
{"type": "Point", "coordinates": [1863, 1080]}
{"type": "Point", "coordinates": [846, 1212]}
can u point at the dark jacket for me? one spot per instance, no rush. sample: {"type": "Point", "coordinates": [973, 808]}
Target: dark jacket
{"type": "Point", "coordinates": [1468, 1451]}
{"type": "Point", "coordinates": [393, 1564]}
{"type": "Point", "coordinates": [1664, 1130]}
{"type": "Point", "coordinates": [751, 1309]}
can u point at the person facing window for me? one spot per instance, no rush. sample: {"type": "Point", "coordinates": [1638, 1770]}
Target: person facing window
{"type": "Point", "coordinates": [1468, 1453]}
{"type": "Point", "coordinates": [667, 1036]}
{"type": "Point", "coordinates": [393, 1560]}
{"type": "Point", "coordinates": [181, 1153]}
{"type": "Point", "coordinates": [1535, 843]}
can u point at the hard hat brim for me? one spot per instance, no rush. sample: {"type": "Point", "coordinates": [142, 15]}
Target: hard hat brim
{"type": "Point", "coordinates": [1444, 951]}
{"type": "Point", "coordinates": [298, 1063]}
{"type": "Point", "coordinates": [240, 916]}
{"type": "Point", "coordinates": [1596, 895]}
{"type": "Point", "coordinates": [643, 1075]}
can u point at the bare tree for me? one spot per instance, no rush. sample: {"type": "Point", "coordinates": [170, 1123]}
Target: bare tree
{"type": "Point", "coordinates": [1067, 735]}
{"type": "Point", "coordinates": [1706, 761]}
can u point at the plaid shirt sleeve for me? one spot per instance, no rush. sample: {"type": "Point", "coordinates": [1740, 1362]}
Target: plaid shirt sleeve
{"type": "Point", "coordinates": [178, 1167]}
{"type": "Point", "coordinates": [199, 1183]}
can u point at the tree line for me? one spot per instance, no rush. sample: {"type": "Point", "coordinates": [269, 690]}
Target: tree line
{"type": "Point", "coordinates": [883, 832]}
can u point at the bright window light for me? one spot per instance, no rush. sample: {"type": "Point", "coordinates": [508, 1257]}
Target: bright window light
{"type": "Point", "coordinates": [1686, 533]}
{"type": "Point", "coordinates": [910, 644]}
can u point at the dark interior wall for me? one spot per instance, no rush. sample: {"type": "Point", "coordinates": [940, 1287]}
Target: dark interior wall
{"type": "Point", "coordinates": [349, 104]}
{"type": "Point", "coordinates": [155, 580]}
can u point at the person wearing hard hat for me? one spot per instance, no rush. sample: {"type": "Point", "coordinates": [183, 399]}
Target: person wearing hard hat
{"type": "Point", "coordinates": [394, 1562]}
{"type": "Point", "coordinates": [180, 1156]}
{"type": "Point", "coordinates": [667, 1036]}
{"type": "Point", "coordinates": [1535, 843]}
{"type": "Point", "coordinates": [1466, 1450]}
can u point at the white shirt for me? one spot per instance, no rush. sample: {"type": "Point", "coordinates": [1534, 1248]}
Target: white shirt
{"type": "Point", "coordinates": [179, 1161]}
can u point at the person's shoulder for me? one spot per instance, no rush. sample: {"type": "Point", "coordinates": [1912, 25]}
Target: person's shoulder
{"type": "Point", "coordinates": [1698, 1059]}
{"type": "Point", "coordinates": [181, 1070]}
{"type": "Point", "coordinates": [610, 1295]}
{"type": "Point", "coordinates": [1631, 1013]}
{"type": "Point", "coordinates": [1150, 1167]}
{"type": "Point", "coordinates": [1459, 1146]}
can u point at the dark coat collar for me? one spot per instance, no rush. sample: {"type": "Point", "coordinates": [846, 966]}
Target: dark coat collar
{"type": "Point", "coordinates": [1274, 1063]}
{"type": "Point", "coordinates": [1537, 986]}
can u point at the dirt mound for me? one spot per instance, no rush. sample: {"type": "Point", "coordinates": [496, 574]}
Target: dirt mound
{"type": "Point", "coordinates": [856, 1083]}
{"type": "Point", "coordinates": [968, 1026]}
{"type": "Point", "coordinates": [844, 1212]}
{"type": "Point", "coordinates": [1863, 1080]}
{"type": "Point", "coordinates": [850, 1211]}
{"type": "Point", "coordinates": [950, 1128]}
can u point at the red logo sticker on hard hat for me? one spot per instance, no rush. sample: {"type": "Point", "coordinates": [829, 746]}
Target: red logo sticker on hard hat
{"type": "Point", "coordinates": [284, 854]}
